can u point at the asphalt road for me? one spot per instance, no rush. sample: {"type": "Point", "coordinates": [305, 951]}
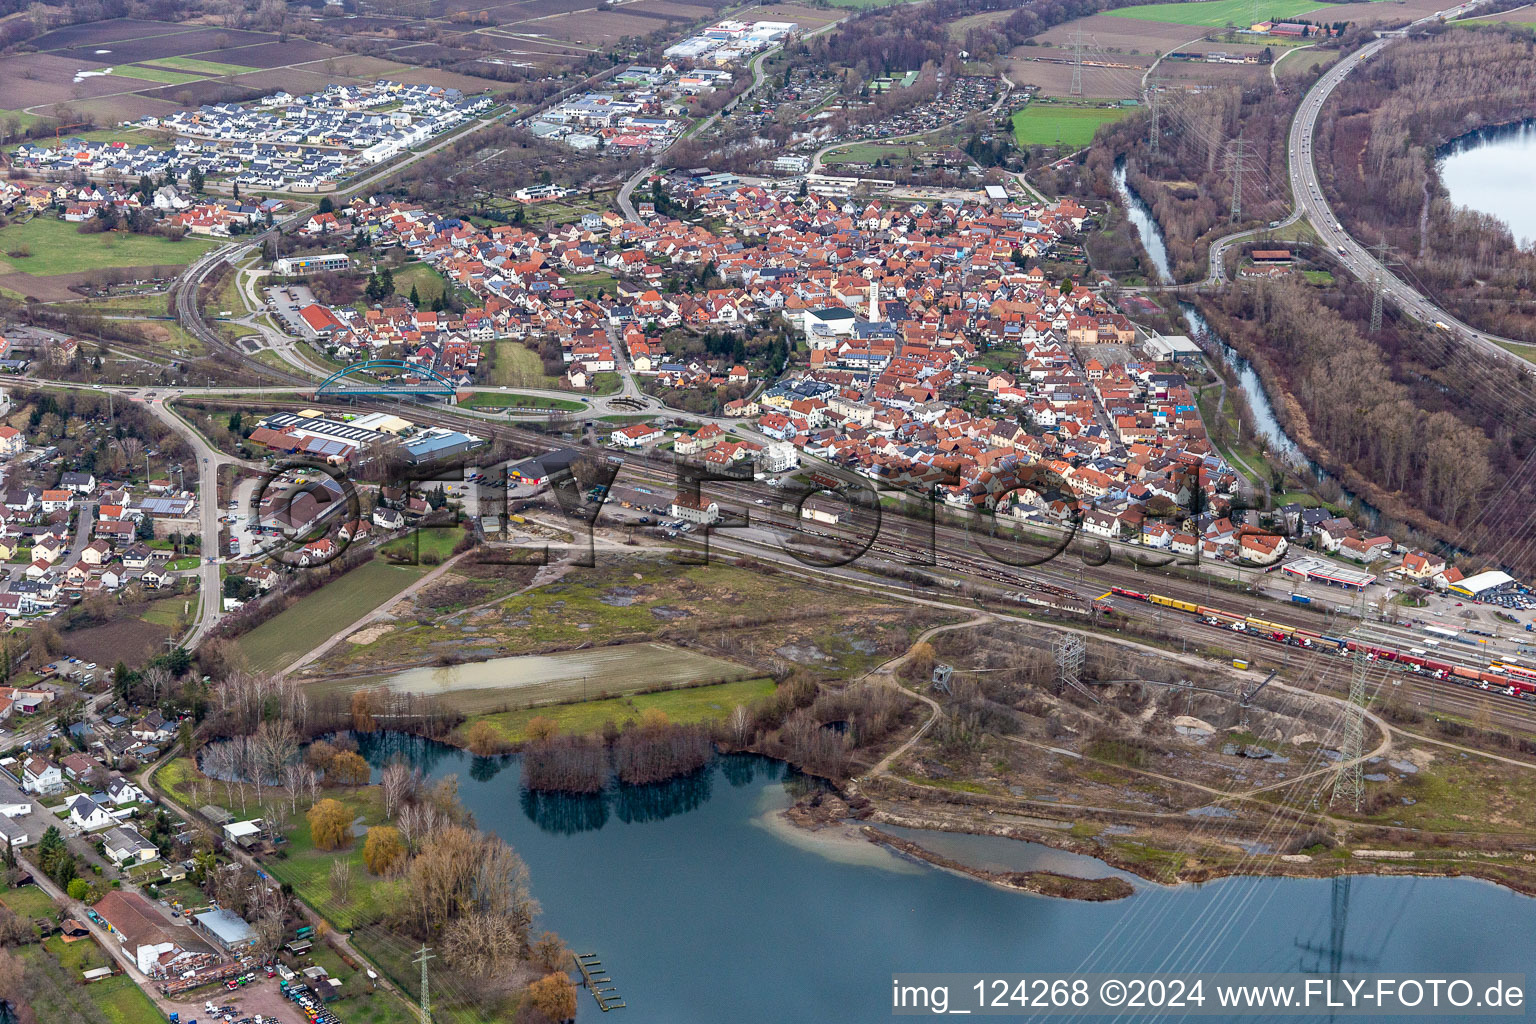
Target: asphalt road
{"type": "Point", "coordinates": [1311, 203]}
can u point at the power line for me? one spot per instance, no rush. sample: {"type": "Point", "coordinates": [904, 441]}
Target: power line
{"type": "Point", "coordinates": [1378, 286]}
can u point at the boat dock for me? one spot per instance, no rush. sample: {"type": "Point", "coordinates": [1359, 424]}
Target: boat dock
{"type": "Point", "coordinates": [597, 982]}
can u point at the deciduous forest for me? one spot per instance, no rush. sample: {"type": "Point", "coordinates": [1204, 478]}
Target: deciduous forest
{"type": "Point", "coordinates": [1376, 146]}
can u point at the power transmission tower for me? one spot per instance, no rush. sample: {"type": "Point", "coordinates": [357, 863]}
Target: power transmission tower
{"type": "Point", "coordinates": [1077, 63]}
{"type": "Point", "coordinates": [1070, 650]}
{"type": "Point", "coordinates": [1237, 178]}
{"type": "Point", "coordinates": [1155, 126]}
{"type": "Point", "coordinates": [1349, 779]}
{"type": "Point", "coordinates": [422, 958]}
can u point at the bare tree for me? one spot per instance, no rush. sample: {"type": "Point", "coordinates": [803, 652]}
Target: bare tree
{"type": "Point", "coordinates": [400, 784]}
{"type": "Point", "coordinates": [341, 880]}
{"type": "Point", "coordinates": [155, 678]}
{"type": "Point", "coordinates": [277, 745]}
{"type": "Point", "coordinates": [741, 725]}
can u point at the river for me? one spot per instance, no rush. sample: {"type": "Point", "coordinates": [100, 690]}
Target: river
{"type": "Point", "coordinates": [704, 911]}
{"type": "Point", "coordinates": [1490, 171]}
{"type": "Point", "coordinates": [1151, 235]}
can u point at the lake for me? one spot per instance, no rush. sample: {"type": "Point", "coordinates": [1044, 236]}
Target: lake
{"type": "Point", "coordinates": [704, 912]}
{"type": "Point", "coordinates": [1491, 171]}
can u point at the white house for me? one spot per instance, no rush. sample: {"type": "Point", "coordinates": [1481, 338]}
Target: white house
{"type": "Point", "coordinates": [41, 776]}
{"type": "Point", "coordinates": [695, 510]}
{"type": "Point", "coordinates": [13, 833]}
{"type": "Point", "coordinates": [635, 436]}
{"type": "Point", "coordinates": [13, 802]}
{"type": "Point", "coordinates": [121, 791]}
{"type": "Point", "coordinates": [87, 815]}
{"type": "Point", "coordinates": [778, 457]}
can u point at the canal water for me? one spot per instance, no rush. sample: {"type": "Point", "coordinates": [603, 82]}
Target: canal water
{"type": "Point", "coordinates": [1151, 236]}
{"type": "Point", "coordinates": [1493, 171]}
{"type": "Point", "coordinates": [705, 911]}
{"type": "Point", "coordinates": [1140, 215]}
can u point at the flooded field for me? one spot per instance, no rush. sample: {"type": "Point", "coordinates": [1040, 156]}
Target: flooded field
{"type": "Point", "coordinates": [571, 675]}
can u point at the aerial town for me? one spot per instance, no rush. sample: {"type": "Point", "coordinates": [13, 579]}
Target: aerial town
{"type": "Point", "coordinates": [477, 485]}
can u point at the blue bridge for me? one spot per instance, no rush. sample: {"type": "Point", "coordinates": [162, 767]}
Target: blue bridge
{"type": "Point", "coordinates": [390, 377]}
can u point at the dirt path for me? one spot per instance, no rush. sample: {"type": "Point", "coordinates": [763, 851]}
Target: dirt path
{"type": "Point", "coordinates": [347, 631]}
{"type": "Point", "coordinates": [886, 673]}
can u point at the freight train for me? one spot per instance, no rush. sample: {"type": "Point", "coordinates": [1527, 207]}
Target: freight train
{"type": "Point", "coordinates": [1510, 680]}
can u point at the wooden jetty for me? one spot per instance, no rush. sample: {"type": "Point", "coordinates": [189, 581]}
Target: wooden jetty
{"type": "Point", "coordinates": [597, 982]}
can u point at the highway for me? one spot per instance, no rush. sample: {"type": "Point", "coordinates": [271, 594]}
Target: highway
{"type": "Point", "coordinates": [1307, 190]}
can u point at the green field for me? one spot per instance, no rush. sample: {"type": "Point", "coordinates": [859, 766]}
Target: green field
{"type": "Point", "coordinates": [589, 286]}
{"type": "Point", "coordinates": [168, 610]}
{"type": "Point", "coordinates": [693, 704]}
{"type": "Point", "coordinates": [512, 400]}
{"type": "Point", "coordinates": [29, 901]}
{"type": "Point", "coordinates": [209, 66]}
{"type": "Point", "coordinates": [57, 965]}
{"type": "Point", "coordinates": [433, 542]}
{"type": "Point", "coordinates": [520, 366]}
{"type": "Point", "coordinates": [284, 637]}
{"type": "Point", "coordinates": [429, 284]}
{"type": "Point", "coordinates": [123, 305]}
{"type": "Point", "coordinates": [1214, 13]}
{"type": "Point", "coordinates": [23, 118]}
{"type": "Point", "coordinates": [57, 248]}
{"type": "Point", "coordinates": [1046, 123]}
{"type": "Point", "coordinates": [154, 75]}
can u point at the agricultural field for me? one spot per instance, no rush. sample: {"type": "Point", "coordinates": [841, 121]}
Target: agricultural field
{"type": "Point", "coordinates": [1051, 79]}
{"type": "Point", "coordinates": [133, 635]}
{"type": "Point", "coordinates": [133, 67]}
{"type": "Point", "coordinates": [207, 67]}
{"type": "Point", "coordinates": [1045, 122]}
{"type": "Point", "coordinates": [1214, 13]}
{"type": "Point", "coordinates": [1117, 39]}
{"type": "Point", "coordinates": [310, 622]}
{"type": "Point", "coordinates": [149, 73]}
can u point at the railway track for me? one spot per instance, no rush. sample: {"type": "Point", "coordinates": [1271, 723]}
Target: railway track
{"type": "Point", "coordinates": [1074, 592]}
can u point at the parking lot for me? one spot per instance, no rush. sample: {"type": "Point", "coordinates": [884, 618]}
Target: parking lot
{"type": "Point", "coordinates": [286, 301]}
{"type": "Point", "coordinates": [262, 997]}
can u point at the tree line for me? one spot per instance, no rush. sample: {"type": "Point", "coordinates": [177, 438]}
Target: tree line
{"type": "Point", "coordinates": [1348, 405]}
